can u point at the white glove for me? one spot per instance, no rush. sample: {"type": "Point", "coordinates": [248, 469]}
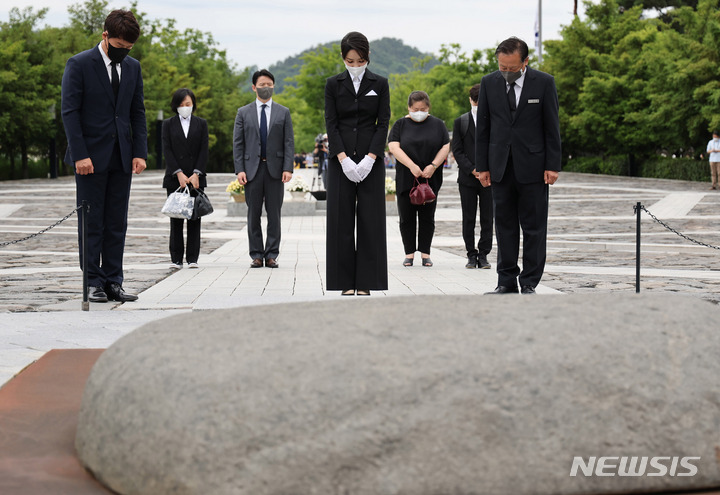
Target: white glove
{"type": "Point", "coordinates": [350, 169]}
{"type": "Point", "coordinates": [365, 167]}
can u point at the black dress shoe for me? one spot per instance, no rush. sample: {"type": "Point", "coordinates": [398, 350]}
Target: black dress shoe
{"type": "Point", "coordinates": [96, 294]}
{"type": "Point", "coordinates": [482, 261]}
{"type": "Point", "coordinates": [472, 261]}
{"type": "Point", "coordinates": [502, 289]}
{"type": "Point", "coordinates": [115, 292]}
{"type": "Point", "coordinates": [527, 289]}
{"type": "Point", "coordinates": [271, 263]}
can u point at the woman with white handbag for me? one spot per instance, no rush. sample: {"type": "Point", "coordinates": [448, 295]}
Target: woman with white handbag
{"type": "Point", "coordinates": [185, 148]}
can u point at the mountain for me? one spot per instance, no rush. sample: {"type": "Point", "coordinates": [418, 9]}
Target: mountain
{"type": "Point", "coordinates": [387, 56]}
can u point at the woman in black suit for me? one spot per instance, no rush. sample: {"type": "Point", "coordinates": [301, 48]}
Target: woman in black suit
{"type": "Point", "coordinates": [185, 147]}
{"type": "Point", "coordinates": [420, 143]}
{"type": "Point", "coordinates": [357, 114]}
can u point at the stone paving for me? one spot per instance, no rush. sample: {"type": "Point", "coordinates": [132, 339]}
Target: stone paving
{"type": "Point", "coordinates": [591, 247]}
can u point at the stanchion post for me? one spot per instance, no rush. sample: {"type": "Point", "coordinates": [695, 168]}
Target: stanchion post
{"type": "Point", "coordinates": [85, 208]}
{"type": "Point", "coordinates": [638, 209]}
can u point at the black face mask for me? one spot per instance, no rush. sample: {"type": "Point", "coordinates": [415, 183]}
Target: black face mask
{"type": "Point", "coordinates": [116, 54]}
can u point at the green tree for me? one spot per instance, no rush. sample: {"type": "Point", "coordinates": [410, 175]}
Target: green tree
{"type": "Point", "coordinates": [307, 100]}
{"type": "Point", "coordinates": [634, 86]}
{"type": "Point", "coordinates": [171, 60]}
{"type": "Point", "coordinates": [89, 17]}
{"type": "Point", "coordinates": [447, 83]}
{"type": "Point", "coordinates": [27, 91]}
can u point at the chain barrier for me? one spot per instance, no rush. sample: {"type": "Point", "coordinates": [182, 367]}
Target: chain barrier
{"type": "Point", "coordinates": [675, 231]}
{"type": "Point", "coordinates": [16, 241]}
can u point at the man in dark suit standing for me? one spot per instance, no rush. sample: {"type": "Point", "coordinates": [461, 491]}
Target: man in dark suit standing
{"type": "Point", "coordinates": [518, 153]}
{"type": "Point", "coordinates": [263, 147]}
{"type": "Point", "coordinates": [104, 117]}
{"type": "Point", "coordinates": [472, 192]}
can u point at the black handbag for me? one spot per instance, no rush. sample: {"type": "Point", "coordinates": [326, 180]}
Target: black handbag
{"type": "Point", "coordinates": [202, 204]}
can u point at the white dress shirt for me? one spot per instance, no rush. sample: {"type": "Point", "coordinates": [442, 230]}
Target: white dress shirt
{"type": "Point", "coordinates": [357, 80]}
{"type": "Point", "coordinates": [185, 123]}
{"type": "Point", "coordinates": [108, 63]}
{"type": "Point", "coordinates": [268, 110]}
{"type": "Point", "coordinates": [518, 87]}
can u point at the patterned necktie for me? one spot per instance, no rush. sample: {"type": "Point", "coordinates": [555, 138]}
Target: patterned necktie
{"type": "Point", "coordinates": [115, 80]}
{"type": "Point", "coordinates": [511, 99]}
{"type": "Point", "coordinates": [263, 132]}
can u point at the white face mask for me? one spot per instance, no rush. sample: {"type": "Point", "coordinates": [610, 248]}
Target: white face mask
{"type": "Point", "coordinates": [184, 112]}
{"type": "Point", "coordinates": [473, 109]}
{"type": "Point", "coordinates": [419, 116]}
{"type": "Point", "coordinates": [356, 71]}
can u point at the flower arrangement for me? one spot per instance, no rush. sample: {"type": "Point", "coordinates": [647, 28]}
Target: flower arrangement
{"type": "Point", "coordinates": [389, 185]}
{"type": "Point", "coordinates": [297, 184]}
{"type": "Point", "coordinates": [235, 188]}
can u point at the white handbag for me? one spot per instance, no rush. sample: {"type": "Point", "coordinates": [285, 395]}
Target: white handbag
{"type": "Point", "coordinates": [179, 204]}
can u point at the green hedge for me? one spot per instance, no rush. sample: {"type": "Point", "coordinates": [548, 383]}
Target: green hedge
{"type": "Point", "coordinates": [657, 167]}
{"type": "Point", "coordinates": [677, 168]}
{"type": "Point", "coordinates": [36, 168]}
{"type": "Point", "coordinates": [610, 165]}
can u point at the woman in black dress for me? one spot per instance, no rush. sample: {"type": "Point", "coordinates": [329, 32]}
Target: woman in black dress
{"type": "Point", "coordinates": [185, 148]}
{"type": "Point", "coordinates": [420, 143]}
{"type": "Point", "coordinates": [357, 114]}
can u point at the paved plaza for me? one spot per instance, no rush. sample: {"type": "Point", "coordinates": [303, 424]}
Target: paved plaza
{"type": "Point", "coordinates": [591, 248]}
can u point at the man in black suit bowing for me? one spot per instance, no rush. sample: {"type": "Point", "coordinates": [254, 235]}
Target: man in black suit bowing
{"type": "Point", "coordinates": [518, 153]}
{"type": "Point", "coordinates": [104, 117]}
{"type": "Point", "coordinates": [263, 150]}
{"type": "Point", "coordinates": [471, 191]}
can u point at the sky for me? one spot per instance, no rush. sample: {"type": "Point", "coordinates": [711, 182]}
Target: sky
{"type": "Point", "coordinates": [264, 32]}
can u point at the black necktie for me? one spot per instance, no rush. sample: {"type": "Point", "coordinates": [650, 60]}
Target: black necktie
{"type": "Point", "coordinates": [511, 99]}
{"type": "Point", "coordinates": [115, 80]}
{"type": "Point", "coordinates": [263, 132]}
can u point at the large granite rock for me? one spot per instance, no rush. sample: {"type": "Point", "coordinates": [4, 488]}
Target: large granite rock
{"type": "Point", "coordinates": [418, 396]}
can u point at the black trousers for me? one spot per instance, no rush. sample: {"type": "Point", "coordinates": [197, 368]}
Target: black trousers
{"type": "Point", "coordinates": [356, 209]}
{"type": "Point", "coordinates": [520, 206]}
{"type": "Point", "coordinates": [177, 243]}
{"type": "Point", "coordinates": [108, 195]}
{"type": "Point", "coordinates": [268, 190]}
{"type": "Point", "coordinates": [470, 198]}
{"type": "Point", "coordinates": [416, 220]}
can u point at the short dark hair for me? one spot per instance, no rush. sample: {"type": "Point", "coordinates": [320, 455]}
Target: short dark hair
{"type": "Point", "coordinates": [355, 41]}
{"type": "Point", "coordinates": [417, 96]}
{"type": "Point", "coordinates": [178, 97]}
{"type": "Point", "coordinates": [716, 132]}
{"type": "Point", "coordinates": [475, 92]}
{"type": "Point", "coordinates": [262, 72]}
{"type": "Point", "coordinates": [512, 45]}
{"type": "Point", "coordinates": [122, 24]}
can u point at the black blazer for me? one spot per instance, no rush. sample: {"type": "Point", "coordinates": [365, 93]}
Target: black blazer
{"type": "Point", "coordinates": [94, 120]}
{"type": "Point", "coordinates": [533, 135]}
{"type": "Point", "coordinates": [463, 148]}
{"type": "Point", "coordinates": [357, 123]}
{"type": "Point", "coordinates": [188, 154]}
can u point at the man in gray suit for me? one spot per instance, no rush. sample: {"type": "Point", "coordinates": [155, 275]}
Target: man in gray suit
{"type": "Point", "coordinates": [263, 148]}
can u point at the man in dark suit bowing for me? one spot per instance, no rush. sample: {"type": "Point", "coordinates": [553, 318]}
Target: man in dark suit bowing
{"type": "Point", "coordinates": [263, 148]}
{"type": "Point", "coordinates": [472, 193]}
{"type": "Point", "coordinates": [104, 117]}
{"type": "Point", "coordinates": [518, 153]}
